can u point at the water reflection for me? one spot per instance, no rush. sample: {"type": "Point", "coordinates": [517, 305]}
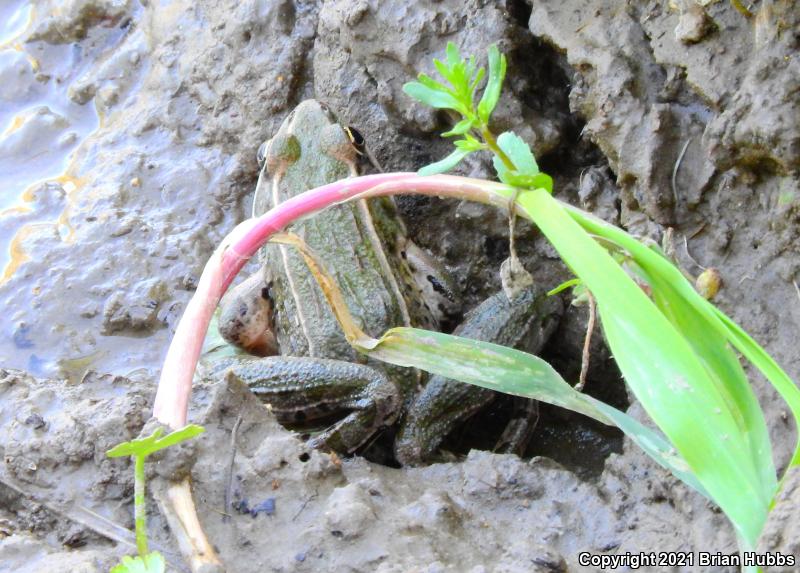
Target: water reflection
{"type": "Point", "coordinates": [42, 123]}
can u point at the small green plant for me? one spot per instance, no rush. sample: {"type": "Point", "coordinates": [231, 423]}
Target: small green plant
{"type": "Point", "coordinates": [513, 160]}
{"type": "Point", "coordinates": [147, 561]}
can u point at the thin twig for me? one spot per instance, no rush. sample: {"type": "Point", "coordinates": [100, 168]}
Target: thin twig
{"type": "Point", "coordinates": [796, 288]}
{"type": "Point", "coordinates": [688, 254]}
{"type": "Point", "coordinates": [303, 506]}
{"type": "Point", "coordinates": [675, 171]}
{"type": "Point", "coordinates": [512, 219]}
{"type": "Point", "coordinates": [587, 342]}
{"type": "Point", "coordinates": [229, 472]}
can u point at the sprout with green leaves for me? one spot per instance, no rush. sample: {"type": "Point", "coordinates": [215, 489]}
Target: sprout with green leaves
{"type": "Point", "coordinates": [146, 561]}
{"type": "Point", "coordinates": [513, 160]}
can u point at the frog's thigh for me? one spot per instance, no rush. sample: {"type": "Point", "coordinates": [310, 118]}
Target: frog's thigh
{"type": "Point", "coordinates": [304, 389]}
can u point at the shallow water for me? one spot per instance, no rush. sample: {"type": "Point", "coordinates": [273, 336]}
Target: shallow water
{"type": "Point", "coordinates": [41, 124]}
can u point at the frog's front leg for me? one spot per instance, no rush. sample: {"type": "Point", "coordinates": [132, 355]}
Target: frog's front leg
{"type": "Point", "coordinates": [303, 390]}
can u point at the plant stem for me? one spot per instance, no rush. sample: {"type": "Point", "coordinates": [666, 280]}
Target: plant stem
{"type": "Point", "coordinates": [139, 505]}
{"type": "Point", "coordinates": [174, 387]}
{"type": "Point", "coordinates": [489, 139]}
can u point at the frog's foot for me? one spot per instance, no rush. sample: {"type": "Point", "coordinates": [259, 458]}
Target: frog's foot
{"type": "Point", "coordinates": [377, 409]}
{"type": "Point", "coordinates": [519, 430]}
{"type": "Point", "coordinates": [307, 390]}
{"type": "Point", "coordinates": [245, 318]}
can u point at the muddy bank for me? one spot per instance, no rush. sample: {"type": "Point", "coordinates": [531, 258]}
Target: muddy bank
{"type": "Point", "coordinates": [653, 116]}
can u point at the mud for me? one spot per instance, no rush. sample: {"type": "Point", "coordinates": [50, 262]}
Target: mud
{"type": "Point", "coordinates": [128, 152]}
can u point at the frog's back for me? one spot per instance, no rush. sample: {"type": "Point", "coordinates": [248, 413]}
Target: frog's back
{"type": "Point", "coordinates": [310, 150]}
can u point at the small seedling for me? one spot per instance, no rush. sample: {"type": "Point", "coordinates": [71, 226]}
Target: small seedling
{"type": "Point", "coordinates": [146, 561]}
{"type": "Point", "coordinates": [513, 160]}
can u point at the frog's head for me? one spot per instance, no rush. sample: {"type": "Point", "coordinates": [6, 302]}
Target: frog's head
{"type": "Point", "coordinates": [310, 136]}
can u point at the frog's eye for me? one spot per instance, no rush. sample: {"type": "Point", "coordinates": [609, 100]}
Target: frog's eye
{"type": "Point", "coordinates": [355, 137]}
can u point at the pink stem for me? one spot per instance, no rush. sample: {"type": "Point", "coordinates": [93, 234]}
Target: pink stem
{"type": "Point", "coordinates": [175, 384]}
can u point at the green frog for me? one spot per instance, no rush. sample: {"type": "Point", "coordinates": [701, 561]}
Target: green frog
{"type": "Point", "coordinates": [386, 281]}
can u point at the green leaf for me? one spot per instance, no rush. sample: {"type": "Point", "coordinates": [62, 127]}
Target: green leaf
{"type": "Point", "coordinates": [453, 55]}
{"type": "Point", "coordinates": [469, 143]}
{"type": "Point", "coordinates": [154, 442]}
{"type": "Point", "coordinates": [564, 286]}
{"type": "Point", "coordinates": [515, 179]}
{"type": "Point", "coordinates": [431, 83]}
{"type": "Point", "coordinates": [514, 372]}
{"type": "Point", "coordinates": [519, 152]}
{"type": "Point", "coordinates": [445, 164]}
{"type": "Point", "coordinates": [153, 562]}
{"type": "Point", "coordinates": [697, 401]}
{"type": "Point", "coordinates": [460, 128]}
{"type": "Point", "coordinates": [476, 79]}
{"type": "Point", "coordinates": [434, 98]}
{"type": "Point", "coordinates": [491, 94]}
{"type": "Point", "coordinates": [444, 71]}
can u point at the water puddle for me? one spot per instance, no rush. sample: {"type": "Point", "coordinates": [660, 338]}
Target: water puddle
{"type": "Point", "coordinates": [43, 120]}
{"type": "Point", "coordinates": [50, 62]}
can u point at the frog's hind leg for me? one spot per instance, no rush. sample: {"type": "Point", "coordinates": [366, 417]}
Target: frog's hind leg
{"type": "Point", "coordinates": [304, 390]}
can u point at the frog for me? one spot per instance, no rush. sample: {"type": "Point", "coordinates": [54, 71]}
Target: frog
{"type": "Point", "coordinates": [307, 371]}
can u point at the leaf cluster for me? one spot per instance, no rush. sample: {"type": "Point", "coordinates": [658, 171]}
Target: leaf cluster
{"type": "Point", "coordinates": [458, 95]}
{"type": "Point", "coordinates": [513, 159]}
{"type": "Point", "coordinates": [143, 447]}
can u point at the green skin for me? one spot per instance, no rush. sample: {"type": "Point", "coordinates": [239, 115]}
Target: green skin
{"type": "Point", "coordinates": [385, 280]}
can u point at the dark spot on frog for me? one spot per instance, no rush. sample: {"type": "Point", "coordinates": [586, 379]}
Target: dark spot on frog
{"type": "Point", "coordinates": [304, 457]}
{"type": "Point", "coordinates": [440, 288]}
{"type": "Point", "coordinates": [403, 254]}
{"type": "Point", "coordinates": [337, 533]}
{"type": "Point", "coordinates": [241, 506]}
{"type": "Point", "coordinates": [265, 294]}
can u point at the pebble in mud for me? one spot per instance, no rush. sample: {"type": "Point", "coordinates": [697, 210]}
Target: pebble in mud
{"type": "Point", "coordinates": [135, 310]}
{"type": "Point", "coordinates": [431, 511]}
{"type": "Point", "coordinates": [693, 23]}
{"type": "Point", "coordinates": [348, 511]}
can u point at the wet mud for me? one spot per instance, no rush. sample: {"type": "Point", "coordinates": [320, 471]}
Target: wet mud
{"type": "Point", "coordinates": [128, 134]}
